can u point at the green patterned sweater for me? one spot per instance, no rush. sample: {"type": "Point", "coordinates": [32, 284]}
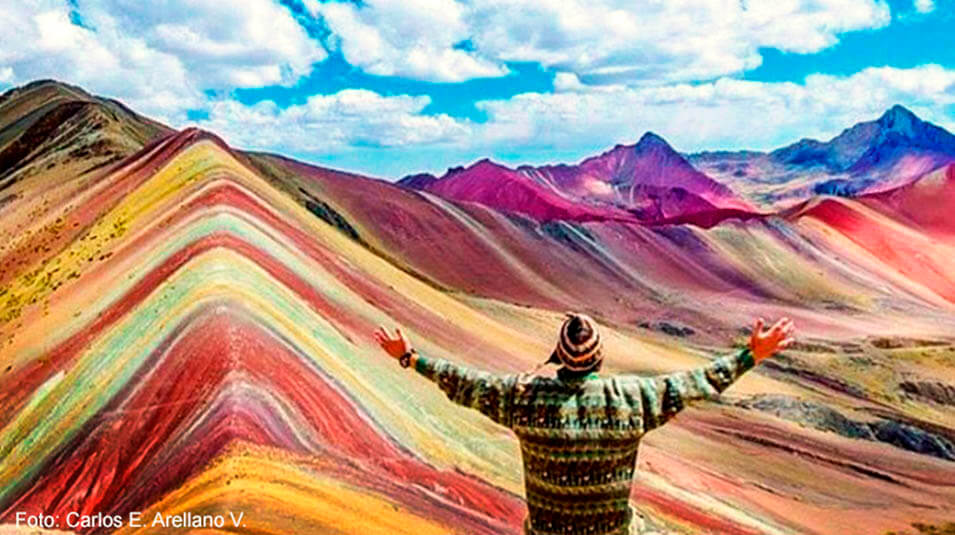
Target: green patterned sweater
{"type": "Point", "coordinates": [579, 434]}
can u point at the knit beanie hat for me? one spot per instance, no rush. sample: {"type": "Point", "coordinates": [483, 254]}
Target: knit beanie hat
{"type": "Point", "coordinates": [579, 346]}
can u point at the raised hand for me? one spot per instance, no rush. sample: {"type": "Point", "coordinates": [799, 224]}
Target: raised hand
{"type": "Point", "coordinates": [396, 345]}
{"type": "Point", "coordinates": [764, 343]}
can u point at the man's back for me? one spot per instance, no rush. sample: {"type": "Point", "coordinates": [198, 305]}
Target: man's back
{"type": "Point", "coordinates": [579, 440]}
{"type": "Point", "coordinates": [579, 433]}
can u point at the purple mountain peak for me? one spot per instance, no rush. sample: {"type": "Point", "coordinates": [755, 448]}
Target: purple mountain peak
{"type": "Point", "coordinates": [896, 113]}
{"type": "Point", "coordinates": [900, 119]}
{"type": "Point", "coordinates": [487, 162]}
{"type": "Point", "coordinates": [651, 139]}
{"type": "Point", "coordinates": [649, 143]}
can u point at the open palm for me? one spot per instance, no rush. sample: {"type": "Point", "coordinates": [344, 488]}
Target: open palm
{"type": "Point", "coordinates": [764, 343]}
{"type": "Point", "coordinates": [395, 345]}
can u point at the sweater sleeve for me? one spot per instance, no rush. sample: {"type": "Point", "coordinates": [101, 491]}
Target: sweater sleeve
{"type": "Point", "coordinates": [490, 394]}
{"type": "Point", "coordinates": [663, 396]}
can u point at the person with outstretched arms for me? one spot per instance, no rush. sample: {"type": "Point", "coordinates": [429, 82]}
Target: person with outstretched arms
{"type": "Point", "coordinates": [579, 431]}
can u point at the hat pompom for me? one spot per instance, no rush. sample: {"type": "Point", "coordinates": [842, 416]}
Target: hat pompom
{"type": "Point", "coordinates": [579, 346]}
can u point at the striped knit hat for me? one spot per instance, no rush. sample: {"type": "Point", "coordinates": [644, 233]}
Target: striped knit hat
{"type": "Point", "coordinates": [579, 346]}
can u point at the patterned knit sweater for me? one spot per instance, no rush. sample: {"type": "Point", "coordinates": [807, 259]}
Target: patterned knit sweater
{"type": "Point", "coordinates": [579, 434]}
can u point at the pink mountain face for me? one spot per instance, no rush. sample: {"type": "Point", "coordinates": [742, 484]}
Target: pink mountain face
{"type": "Point", "coordinates": [501, 188]}
{"type": "Point", "coordinates": [623, 174]}
{"type": "Point", "coordinates": [926, 202]}
{"type": "Point", "coordinates": [648, 181]}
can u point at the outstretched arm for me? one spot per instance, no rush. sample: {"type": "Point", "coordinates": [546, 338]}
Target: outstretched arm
{"type": "Point", "coordinates": [487, 393]}
{"type": "Point", "coordinates": [663, 396]}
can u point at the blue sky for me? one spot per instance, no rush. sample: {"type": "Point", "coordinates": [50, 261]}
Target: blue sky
{"type": "Point", "coordinates": [389, 87]}
{"type": "Point", "coordinates": [912, 39]}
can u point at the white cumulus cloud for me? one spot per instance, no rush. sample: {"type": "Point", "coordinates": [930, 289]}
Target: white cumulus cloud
{"type": "Point", "coordinates": [224, 43]}
{"type": "Point", "coordinates": [6, 75]}
{"type": "Point", "coordinates": [579, 120]}
{"type": "Point", "coordinates": [411, 38]}
{"type": "Point", "coordinates": [158, 57]}
{"type": "Point", "coordinates": [726, 113]}
{"type": "Point", "coordinates": [600, 41]}
{"type": "Point", "coordinates": [328, 123]}
{"type": "Point", "coordinates": [925, 6]}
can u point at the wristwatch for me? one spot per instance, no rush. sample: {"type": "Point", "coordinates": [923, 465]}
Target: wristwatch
{"type": "Point", "coordinates": [405, 360]}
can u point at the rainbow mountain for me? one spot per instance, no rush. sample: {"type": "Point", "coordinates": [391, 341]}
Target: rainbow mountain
{"type": "Point", "coordinates": [186, 327]}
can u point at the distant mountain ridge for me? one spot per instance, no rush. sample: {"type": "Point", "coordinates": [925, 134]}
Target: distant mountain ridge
{"type": "Point", "coordinates": [651, 182]}
{"type": "Point", "coordinates": [870, 156]}
{"type": "Point", "coordinates": [867, 144]}
{"type": "Point", "coordinates": [651, 162]}
{"type": "Point", "coordinates": [509, 190]}
{"type": "Point", "coordinates": [648, 181]}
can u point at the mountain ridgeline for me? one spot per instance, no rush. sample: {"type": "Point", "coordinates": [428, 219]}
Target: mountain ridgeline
{"type": "Point", "coordinates": [651, 182]}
